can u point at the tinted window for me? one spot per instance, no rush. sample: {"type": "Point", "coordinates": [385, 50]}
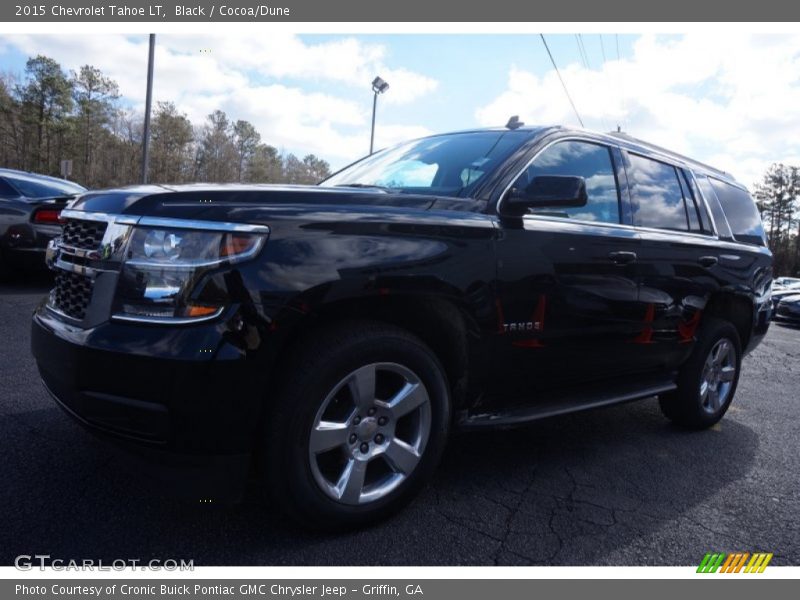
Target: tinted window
{"type": "Point", "coordinates": [702, 210]}
{"type": "Point", "coordinates": [579, 159]}
{"type": "Point", "coordinates": [720, 220]}
{"type": "Point", "coordinates": [657, 196]}
{"type": "Point", "coordinates": [741, 211]}
{"type": "Point", "coordinates": [447, 165]}
{"type": "Point", "coordinates": [691, 208]}
{"type": "Point", "coordinates": [34, 187]}
{"type": "Point", "coordinates": [6, 191]}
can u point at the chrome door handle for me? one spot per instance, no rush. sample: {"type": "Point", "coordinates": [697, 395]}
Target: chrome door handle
{"type": "Point", "coordinates": [622, 257]}
{"type": "Point", "coordinates": [708, 261]}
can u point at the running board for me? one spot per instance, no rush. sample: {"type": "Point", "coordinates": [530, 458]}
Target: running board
{"type": "Point", "coordinates": [563, 405]}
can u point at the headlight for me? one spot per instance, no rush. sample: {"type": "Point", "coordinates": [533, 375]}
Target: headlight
{"type": "Point", "coordinates": [163, 265]}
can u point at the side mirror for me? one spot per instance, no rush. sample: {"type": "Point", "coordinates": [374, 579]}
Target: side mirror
{"type": "Point", "coordinates": [549, 191]}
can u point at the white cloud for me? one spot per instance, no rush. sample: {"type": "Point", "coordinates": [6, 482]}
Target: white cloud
{"type": "Point", "coordinates": [267, 79]}
{"type": "Point", "coordinates": [730, 100]}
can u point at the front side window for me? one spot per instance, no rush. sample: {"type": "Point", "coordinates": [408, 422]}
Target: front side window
{"type": "Point", "coordinates": [657, 196]}
{"type": "Point", "coordinates": [578, 159]}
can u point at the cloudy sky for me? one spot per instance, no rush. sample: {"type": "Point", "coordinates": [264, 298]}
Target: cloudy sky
{"type": "Point", "coordinates": [731, 100]}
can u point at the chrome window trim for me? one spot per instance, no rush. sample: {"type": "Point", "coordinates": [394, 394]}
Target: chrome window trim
{"type": "Point", "coordinates": [625, 226]}
{"type": "Point", "coordinates": [661, 158]}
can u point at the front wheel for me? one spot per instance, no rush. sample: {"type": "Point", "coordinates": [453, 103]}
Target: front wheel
{"type": "Point", "coordinates": [708, 380]}
{"type": "Point", "coordinates": [359, 426]}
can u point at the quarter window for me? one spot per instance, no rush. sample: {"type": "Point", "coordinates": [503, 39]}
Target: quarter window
{"type": "Point", "coordinates": [657, 196]}
{"type": "Point", "coordinates": [741, 211]}
{"type": "Point", "coordinates": [591, 161]}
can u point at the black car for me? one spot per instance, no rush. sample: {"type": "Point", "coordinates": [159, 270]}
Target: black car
{"type": "Point", "coordinates": [788, 309]}
{"type": "Point", "coordinates": [337, 333]}
{"type": "Point", "coordinates": [30, 207]}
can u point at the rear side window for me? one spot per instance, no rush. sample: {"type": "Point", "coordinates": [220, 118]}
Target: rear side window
{"type": "Point", "coordinates": [34, 187]}
{"type": "Point", "coordinates": [741, 211]}
{"type": "Point", "coordinates": [657, 196]}
{"type": "Point", "coordinates": [720, 220]}
{"type": "Point", "coordinates": [691, 210]}
{"type": "Point", "coordinates": [694, 194]}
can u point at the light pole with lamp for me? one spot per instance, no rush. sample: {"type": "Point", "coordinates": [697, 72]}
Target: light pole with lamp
{"type": "Point", "coordinates": [379, 86]}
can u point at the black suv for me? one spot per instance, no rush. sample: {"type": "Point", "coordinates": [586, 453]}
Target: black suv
{"type": "Point", "coordinates": [337, 333]}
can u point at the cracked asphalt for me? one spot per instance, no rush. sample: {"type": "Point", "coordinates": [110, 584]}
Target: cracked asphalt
{"type": "Point", "coordinates": [619, 486]}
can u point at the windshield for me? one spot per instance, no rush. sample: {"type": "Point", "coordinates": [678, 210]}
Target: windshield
{"type": "Point", "coordinates": [444, 165]}
{"type": "Point", "coordinates": [35, 187]}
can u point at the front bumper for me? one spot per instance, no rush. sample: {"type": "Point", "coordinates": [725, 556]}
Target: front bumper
{"type": "Point", "coordinates": [176, 398]}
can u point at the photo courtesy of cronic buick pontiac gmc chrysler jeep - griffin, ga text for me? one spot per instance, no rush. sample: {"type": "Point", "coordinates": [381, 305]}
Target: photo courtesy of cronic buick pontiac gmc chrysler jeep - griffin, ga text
{"type": "Point", "coordinates": [329, 338]}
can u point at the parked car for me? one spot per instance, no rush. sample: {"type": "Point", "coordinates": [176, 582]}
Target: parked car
{"type": "Point", "coordinates": [338, 333]}
{"type": "Point", "coordinates": [788, 309]}
{"type": "Point", "coordinates": [30, 206]}
{"type": "Point", "coordinates": [779, 295]}
{"type": "Point", "coordinates": [785, 282]}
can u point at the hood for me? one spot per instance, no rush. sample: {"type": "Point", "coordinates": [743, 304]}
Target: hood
{"type": "Point", "coordinates": [246, 202]}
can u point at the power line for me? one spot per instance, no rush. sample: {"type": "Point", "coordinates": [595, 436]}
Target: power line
{"type": "Point", "coordinates": [585, 54]}
{"type": "Point", "coordinates": [561, 79]}
{"type": "Point", "coordinates": [603, 49]}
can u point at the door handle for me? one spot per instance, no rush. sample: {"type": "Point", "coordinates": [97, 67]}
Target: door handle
{"type": "Point", "coordinates": [622, 257]}
{"type": "Point", "coordinates": [708, 261]}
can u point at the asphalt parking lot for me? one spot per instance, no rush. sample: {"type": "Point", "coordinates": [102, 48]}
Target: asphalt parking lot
{"type": "Point", "coordinates": [619, 486]}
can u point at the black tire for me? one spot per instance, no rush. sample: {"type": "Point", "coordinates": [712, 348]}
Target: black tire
{"type": "Point", "coordinates": [688, 406]}
{"type": "Point", "coordinates": [323, 361]}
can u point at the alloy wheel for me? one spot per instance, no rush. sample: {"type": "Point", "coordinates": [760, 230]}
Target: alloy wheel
{"type": "Point", "coordinates": [719, 372]}
{"type": "Point", "coordinates": [369, 434]}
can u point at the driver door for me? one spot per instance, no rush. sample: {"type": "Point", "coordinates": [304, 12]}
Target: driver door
{"type": "Point", "coordinates": [567, 292]}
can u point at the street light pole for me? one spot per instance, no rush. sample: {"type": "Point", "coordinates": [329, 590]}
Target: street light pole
{"type": "Point", "coordinates": [379, 86]}
{"type": "Point", "coordinates": [147, 105]}
{"type": "Point", "coordinates": [372, 131]}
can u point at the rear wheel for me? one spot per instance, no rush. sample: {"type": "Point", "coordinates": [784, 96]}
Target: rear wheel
{"type": "Point", "coordinates": [359, 426]}
{"type": "Point", "coordinates": [708, 380]}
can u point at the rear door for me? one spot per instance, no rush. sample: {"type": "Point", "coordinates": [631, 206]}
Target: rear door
{"type": "Point", "coordinates": [678, 258]}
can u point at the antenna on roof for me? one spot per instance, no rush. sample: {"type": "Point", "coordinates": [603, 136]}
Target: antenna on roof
{"type": "Point", "coordinates": [514, 123]}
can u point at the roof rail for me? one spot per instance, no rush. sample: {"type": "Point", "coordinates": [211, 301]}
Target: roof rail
{"type": "Point", "coordinates": [648, 146]}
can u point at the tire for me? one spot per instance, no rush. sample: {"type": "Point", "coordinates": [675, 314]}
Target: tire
{"type": "Point", "coordinates": [340, 376]}
{"type": "Point", "coordinates": [707, 381]}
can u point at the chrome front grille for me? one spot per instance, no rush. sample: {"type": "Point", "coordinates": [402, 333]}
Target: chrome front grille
{"type": "Point", "coordinates": [83, 234]}
{"type": "Point", "coordinates": [72, 293]}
